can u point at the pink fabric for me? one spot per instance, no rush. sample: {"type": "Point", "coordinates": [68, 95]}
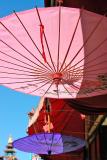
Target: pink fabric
{"type": "Point", "coordinates": [23, 72]}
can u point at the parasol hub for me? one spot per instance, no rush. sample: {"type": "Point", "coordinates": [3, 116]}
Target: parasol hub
{"type": "Point", "coordinates": [49, 152]}
{"type": "Point", "coordinates": [57, 77]}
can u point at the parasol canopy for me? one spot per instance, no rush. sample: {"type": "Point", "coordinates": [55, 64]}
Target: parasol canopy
{"type": "Point", "coordinates": [55, 52]}
{"type": "Point", "coordinates": [49, 143]}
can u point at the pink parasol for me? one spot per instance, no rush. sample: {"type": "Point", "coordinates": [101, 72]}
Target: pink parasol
{"type": "Point", "coordinates": [54, 52]}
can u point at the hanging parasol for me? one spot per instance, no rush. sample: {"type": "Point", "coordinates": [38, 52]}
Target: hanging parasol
{"type": "Point", "coordinates": [56, 52]}
{"type": "Point", "coordinates": [49, 143]}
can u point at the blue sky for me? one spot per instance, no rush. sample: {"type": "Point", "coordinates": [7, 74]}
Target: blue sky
{"type": "Point", "coordinates": [14, 106]}
{"type": "Point", "coordinates": [7, 6]}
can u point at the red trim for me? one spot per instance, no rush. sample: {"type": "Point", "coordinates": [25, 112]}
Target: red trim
{"type": "Point", "coordinates": [41, 37]}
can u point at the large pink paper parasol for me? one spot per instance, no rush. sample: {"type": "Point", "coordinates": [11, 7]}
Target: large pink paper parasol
{"type": "Point", "coordinates": [57, 52]}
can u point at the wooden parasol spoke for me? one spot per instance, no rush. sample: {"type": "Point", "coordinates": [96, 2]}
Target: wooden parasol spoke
{"type": "Point", "coordinates": [59, 38]}
{"type": "Point", "coordinates": [20, 60]}
{"type": "Point", "coordinates": [98, 46]}
{"type": "Point", "coordinates": [24, 56]}
{"type": "Point", "coordinates": [89, 62]}
{"type": "Point", "coordinates": [30, 37]}
{"type": "Point", "coordinates": [25, 71]}
{"type": "Point", "coordinates": [22, 45]}
{"type": "Point", "coordinates": [66, 89]}
{"type": "Point", "coordinates": [46, 40]}
{"type": "Point", "coordinates": [48, 88]}
{"type": "Point", "coordinates": [47, 82]}
{"type": "Point", "coordinates": [72, 38]}
{"type": "Point", "coordinates": [85, 42]}
{"type": "Point", "coordinates": [24, 67]}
